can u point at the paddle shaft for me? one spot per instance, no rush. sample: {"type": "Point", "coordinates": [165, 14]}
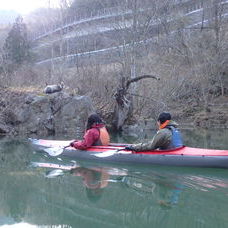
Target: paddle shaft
{"type": "Point", "coordinates": [66, 146]}
{"type": "Point", "coordinates": [109, 153]}
{"type": "Point", "coordinates": [54, 166]}
{"type": "Point", "coordinates": [101, 147]}
{"type": "Point", "coordinates": [57, 151]}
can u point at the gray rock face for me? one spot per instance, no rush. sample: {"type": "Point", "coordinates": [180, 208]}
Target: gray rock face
{"type": "Point", "coordinates": [57, 113]}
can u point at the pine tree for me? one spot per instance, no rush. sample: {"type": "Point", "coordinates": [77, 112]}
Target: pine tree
{"type": "Point", "coordinates": [16, 47]}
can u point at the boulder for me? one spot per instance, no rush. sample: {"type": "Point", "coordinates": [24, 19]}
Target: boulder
{"type": "Point", "coordinates": [52, 114]}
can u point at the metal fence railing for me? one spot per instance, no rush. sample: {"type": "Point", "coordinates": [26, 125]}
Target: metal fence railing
{"type": "Point", "coordinates": [116, 50]}
{"type": "Point", "coordinates": [187, 5]}
{"type": "Point", "coordinates": [79, 19]}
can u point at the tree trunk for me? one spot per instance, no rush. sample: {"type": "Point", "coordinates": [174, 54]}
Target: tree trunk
{"type": "Point", "coordinates": [123, 108]}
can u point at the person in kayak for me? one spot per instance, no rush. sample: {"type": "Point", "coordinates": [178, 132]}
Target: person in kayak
{"type": "Point", "coordinates": [167, 137]}
{"type": "Point", "coordinates": [96, 134]}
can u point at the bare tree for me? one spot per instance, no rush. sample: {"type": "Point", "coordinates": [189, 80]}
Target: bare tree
{"type": "Point", "coordinates": [134, 30]}
{"type": "Point", "coordinates": [124, 104]}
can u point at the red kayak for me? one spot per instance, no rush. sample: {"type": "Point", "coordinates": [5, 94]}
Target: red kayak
{"type": "Point", "coordinates": [184, 156]}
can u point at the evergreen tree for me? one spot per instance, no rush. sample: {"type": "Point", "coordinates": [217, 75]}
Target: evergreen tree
{"type": "Point", "coordinates": [16, 47]}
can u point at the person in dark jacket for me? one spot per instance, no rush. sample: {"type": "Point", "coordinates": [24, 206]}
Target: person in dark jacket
{"type": "Point", "coordinates": [96, 134]}
{"type": "Point", "coordinates": [167, 137]}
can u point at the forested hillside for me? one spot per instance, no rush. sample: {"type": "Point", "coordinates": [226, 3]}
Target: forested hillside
{"type": "Point", "coordinates": [134, 58]}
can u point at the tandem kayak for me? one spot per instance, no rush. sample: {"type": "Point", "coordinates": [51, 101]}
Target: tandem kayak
{"type": "Point", "coordinates": [115, 153]}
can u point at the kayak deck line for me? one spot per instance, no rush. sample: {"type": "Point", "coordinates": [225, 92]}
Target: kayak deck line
{"type": "Point", "coordinates": [178, 151]}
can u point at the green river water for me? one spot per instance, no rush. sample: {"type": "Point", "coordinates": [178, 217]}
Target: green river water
{"type": "Point", "coordinates": [103, 195]}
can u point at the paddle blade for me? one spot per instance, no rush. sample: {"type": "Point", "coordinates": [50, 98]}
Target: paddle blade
{"type": "Point", "coordinates": [54, 151]}
{"type": "Point", "coordinates": [54, 173]}
{"type": "Point", "coordinates": [105, 154]}
{"type": "Point", "coordinates": [110, 153]}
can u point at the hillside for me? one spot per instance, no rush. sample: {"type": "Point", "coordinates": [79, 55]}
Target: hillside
{"type": "Point", "coordinates": [180, 46]}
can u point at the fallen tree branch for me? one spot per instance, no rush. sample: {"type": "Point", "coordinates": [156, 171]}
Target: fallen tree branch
{"type": "Point", "coordinates": [140, 78]}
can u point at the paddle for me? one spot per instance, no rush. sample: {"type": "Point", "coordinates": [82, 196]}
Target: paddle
{"type": "Point", "coordinates": [55, 151]}
{"type": "Point", "coordinates": [110, 153]}
{"type": "Point", "coordinates": [53, 165]}
{"type": "Point", "coordinates": [59, 169]}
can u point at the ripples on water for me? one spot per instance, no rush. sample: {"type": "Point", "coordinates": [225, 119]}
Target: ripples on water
{"type": "Point", "coordinates": [95, 195]}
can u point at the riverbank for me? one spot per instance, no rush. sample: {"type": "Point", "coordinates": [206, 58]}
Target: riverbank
{"type": "Point", "coordinates": [30, 111]}
{"type": "Point", "coordinates": [20, 107]}
{"type": "Point", "coordinates": [214, 115]}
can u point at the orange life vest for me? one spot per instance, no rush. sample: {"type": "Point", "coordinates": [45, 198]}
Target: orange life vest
{"type": "Point", "coordinates": [104, 139]}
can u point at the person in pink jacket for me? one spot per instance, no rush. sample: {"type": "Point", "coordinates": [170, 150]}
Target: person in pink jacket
{"type": "Point", "coordinates": [96, 134]}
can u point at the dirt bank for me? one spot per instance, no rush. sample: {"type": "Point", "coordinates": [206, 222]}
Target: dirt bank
{"type": "Point", "coordinates": [14, 101]}
{"type": "Point", "coordinates": [214, 115]}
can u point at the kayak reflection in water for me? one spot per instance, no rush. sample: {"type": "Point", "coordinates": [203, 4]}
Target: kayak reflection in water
{"type": "Point", "coordinates": [174, 195]}
{"type": "Point", "coordinates": [167, 192]}
{"type": "Point", "coordinates": [165, 189]}
{"type": "Point", "coordinates": [96, 179]}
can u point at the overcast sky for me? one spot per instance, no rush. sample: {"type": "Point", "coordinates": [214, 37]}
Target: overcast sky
{"type": "Point", "coordinates": [24, 6]}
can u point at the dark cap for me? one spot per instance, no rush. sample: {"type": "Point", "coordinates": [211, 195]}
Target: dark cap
{"type": "Point", "coordinates": [164, 116]}
{"type": "Point", "coordinates": [93, 119]}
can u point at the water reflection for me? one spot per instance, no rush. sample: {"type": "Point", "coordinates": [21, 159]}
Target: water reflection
{"type": "Point", "coordinates": [96, 179]}
{"type": "Point", "coordinates": [205, 184]}
{"type": "Point", "coordinates": [164, 189]}
{"type": "Point", "coordinates": [151, 185]}
{"type": "Point", "coordinates": [111, 195]}
{"type": "Point", "coordinates": [164, 186]}
{"type": "Point", "coordinates": [82, 194]}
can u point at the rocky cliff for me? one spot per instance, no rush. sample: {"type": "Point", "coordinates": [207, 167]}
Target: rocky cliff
{"type": "Point", "coordinates": [43, 114]}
